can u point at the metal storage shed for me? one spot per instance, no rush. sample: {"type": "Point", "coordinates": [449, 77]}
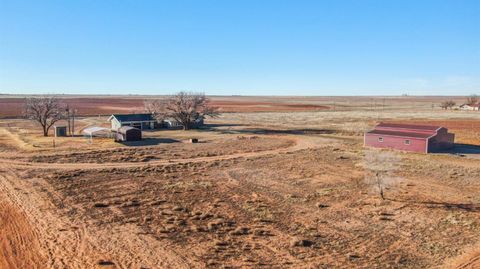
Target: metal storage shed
{"type": "Point", "coordinates": [127, 133]}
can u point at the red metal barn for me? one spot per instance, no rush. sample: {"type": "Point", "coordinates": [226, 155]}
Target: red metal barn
{"type": "Point", "coordinates": [408, 137]}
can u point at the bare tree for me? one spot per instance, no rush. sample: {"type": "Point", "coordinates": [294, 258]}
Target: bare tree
{"type": "Point", "coordinates": [156, 107]}
{"type": "Point", "coordinates": [184, 107]}
{"type": "Point", "coordinates": [444, 105]}
{"type": "Point", "coordinates": [45, 110]}
{"type": "Point", "coordinates": [380, 167]}
{"type": "Point", "coordinates": [447, 104]}
{"type": "Point", "coordinates": [451, 104]}
{"type": "Point", "coordinates": [472, 99]}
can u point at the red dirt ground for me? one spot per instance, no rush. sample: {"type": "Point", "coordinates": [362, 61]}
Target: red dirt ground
{"type": "Point", "coordinates": [19, 246]}
{"type": "Point", "coordinates": [221, 204]}
{"type": "Point", "coordinates": [12, 107]}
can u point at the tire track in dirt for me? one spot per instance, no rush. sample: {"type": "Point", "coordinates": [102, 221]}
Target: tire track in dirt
{"type": "Point", "coordinates": [56, 240]}
{"type": "Point", "coordinates": [300, 143]}
{"type": "Point", "coordinates": [472, 263]}
{"type": "Point", "coordinates": [19, 244]}
{"type": "Point", "coordinates": [469, 260]}
{"type": "Point", "coordinates": [68, 243]}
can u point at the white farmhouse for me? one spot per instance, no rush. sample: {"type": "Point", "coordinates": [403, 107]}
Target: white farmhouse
{"type": "Point", "coordinates": [470, 107]}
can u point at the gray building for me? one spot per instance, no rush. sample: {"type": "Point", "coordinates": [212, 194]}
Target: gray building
{"type": "Point", "coordinates": [139, 121]}
{"type": "Point", "coordinates": [146, 122]}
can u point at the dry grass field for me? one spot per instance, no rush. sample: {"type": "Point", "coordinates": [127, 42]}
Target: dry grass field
{"type": "Point", "coordinates": [275, 188]}
{"type": "Point", "coordinates": [11, 105]}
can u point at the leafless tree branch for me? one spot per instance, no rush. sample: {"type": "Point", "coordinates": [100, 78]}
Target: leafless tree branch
{"type": "Point", "coordinates": [184, 107]}
{"type": "Point", "coordinates": [380, 168]}
{"type": "Point", "coordinates": [46, 110]}
{"type": "Point", "coordinates": [447, 104]}
{"type": "Point", "coordinates": [472, 99]}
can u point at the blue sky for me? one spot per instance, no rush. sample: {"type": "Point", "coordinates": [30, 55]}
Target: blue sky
{"type": "Point", "coordinates": [248, 47]}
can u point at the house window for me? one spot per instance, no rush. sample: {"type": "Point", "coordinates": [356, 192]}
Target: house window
{"type": "Point", "coordinates": [380, 139]}
{"type": "Point", "coordinates": [407, 142]}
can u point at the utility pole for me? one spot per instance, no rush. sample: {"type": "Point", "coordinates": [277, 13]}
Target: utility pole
{"type": "Point", "coordinates": [68, 119]}
{"type": "Point", "coordinates": [73, 121]}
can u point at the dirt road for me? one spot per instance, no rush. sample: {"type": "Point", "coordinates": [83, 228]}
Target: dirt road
{"type": "Point", "coordinates": [299, 144]}
{"type": "Point", "coordinates": [19, 244]}
{"type": "Point", "coordinates": [241, 209]}
{"type": "Point", "coordinates": [67, 244]}
{"type": "Point", "coordinates": [38, 234]}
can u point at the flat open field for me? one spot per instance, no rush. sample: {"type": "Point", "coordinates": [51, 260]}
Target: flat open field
{"type": "Point", "coordinates": [276, 189]}
{"type": "Point", "coordinates": [12, 105]}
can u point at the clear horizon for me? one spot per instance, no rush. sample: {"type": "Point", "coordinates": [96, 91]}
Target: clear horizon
{"type": "Point", "coordinates": [247, 48]}
{"type": "Point", "coordinates": [231, 95]}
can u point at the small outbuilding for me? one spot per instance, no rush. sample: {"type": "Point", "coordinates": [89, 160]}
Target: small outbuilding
{"type": "Point", "coordinates": [60, 130]}
{"type": "Point", "coordinates": [409, 137]}
{"type": "Point", "coordinates": [128, 133]}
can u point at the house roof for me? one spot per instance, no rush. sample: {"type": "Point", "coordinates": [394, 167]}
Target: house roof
{"type": "Point", "coordinates": [133, 117]}
{"type": "Point", "coordinates": [401, 134]}
{"type": "Point", "coordinates": [408, 126]}
{"type": "Point", "coordinates": [473, 105]}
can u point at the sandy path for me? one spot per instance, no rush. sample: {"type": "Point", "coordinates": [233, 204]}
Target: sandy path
{"type": "Point", "coordinates": [469, 260]}
{"type": "Point", "coordinates": [58, 239]}
{"type": "Point", "coordinates": [472, 262]}
{"type": "Point", "coordinates": [19, 244]}
{"type": "Point", "coordinates": [300, 143]}
{"type": "Point", "coordinates": [67, 242]}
